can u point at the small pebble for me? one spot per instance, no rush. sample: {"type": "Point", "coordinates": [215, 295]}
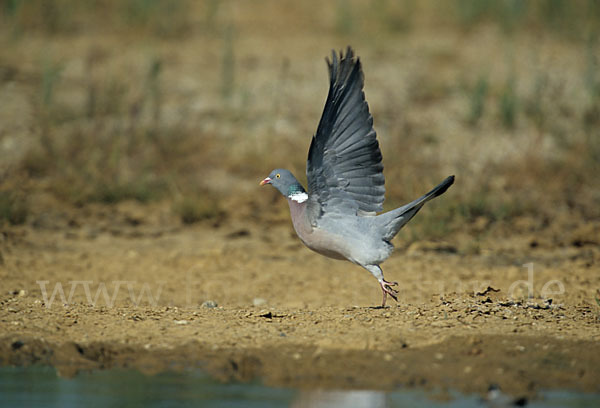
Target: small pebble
{"type": "Point", "coordinates": [259, 301]}
{"type": "Point", "coordinates": [209, 304]}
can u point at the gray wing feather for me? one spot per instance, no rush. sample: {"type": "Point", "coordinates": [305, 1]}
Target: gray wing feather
{"type": "Point", "coordinates": [344, 169]}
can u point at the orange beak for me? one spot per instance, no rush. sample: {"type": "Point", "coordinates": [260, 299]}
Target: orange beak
{"type": "Point", "coordinates": [265, 181]}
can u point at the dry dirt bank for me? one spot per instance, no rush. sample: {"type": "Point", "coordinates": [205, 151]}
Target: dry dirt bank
{"type": "Point", "coordinates": [293, 317]}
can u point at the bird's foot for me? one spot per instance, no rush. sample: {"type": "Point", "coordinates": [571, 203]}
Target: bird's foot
{"type": "Point", "coordinates": [387, 289]}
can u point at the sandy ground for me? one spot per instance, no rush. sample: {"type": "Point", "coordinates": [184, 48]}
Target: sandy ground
{"type": "Point", "coordinates": [246, 299]}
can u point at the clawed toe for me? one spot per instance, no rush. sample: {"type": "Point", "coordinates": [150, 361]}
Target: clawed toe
{"type": "Point", "coordinates": [390, 284]}
{"type": "Point", "coordinates": [393, 293]}
{"type": "Point", "coordinates": [387, 289]}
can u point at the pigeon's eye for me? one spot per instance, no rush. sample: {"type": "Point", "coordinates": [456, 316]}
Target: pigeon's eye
{"type": "Point", "coordinates": [278, 175]}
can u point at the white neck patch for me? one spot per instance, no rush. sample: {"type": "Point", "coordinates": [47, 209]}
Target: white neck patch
{"type": "Point", "coordinates": [298, 197]}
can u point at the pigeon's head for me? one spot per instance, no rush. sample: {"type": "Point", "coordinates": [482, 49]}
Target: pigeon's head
{"type": "Point", "coordinates": [284, 181]}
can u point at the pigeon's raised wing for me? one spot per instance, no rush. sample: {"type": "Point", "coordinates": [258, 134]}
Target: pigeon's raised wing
{"type": "Point", "coordinates": [344, 169]}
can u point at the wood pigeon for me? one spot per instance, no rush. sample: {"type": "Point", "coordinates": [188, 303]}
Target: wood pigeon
{"type": "Point", "coordinates": [337, 216]}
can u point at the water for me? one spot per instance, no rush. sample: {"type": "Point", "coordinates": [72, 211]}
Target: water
{"type": "Point", "coordinates": [42, 387]}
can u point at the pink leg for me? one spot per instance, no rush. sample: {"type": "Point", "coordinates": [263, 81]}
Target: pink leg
{"type": "Point", "coordinates": [387, 289]}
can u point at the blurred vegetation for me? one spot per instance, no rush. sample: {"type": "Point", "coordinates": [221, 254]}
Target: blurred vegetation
{"type": "Point", "coordinates": [157, 17]}
{"type": "Point", "coordinates": [13, 209]}
{"type": "Point", "coordinates": [192, 209]}
{"type": "Point", "coordinates": [478, 97]}
{"type": "Point", "coordinates": [102, 130]}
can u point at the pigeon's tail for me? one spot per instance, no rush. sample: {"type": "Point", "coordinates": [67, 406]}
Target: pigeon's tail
{"type": "Point", "coordinates": [393, 221]}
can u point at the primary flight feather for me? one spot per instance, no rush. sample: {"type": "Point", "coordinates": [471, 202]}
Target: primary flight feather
{"type": "Point", "coordinates": [337, 217]}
